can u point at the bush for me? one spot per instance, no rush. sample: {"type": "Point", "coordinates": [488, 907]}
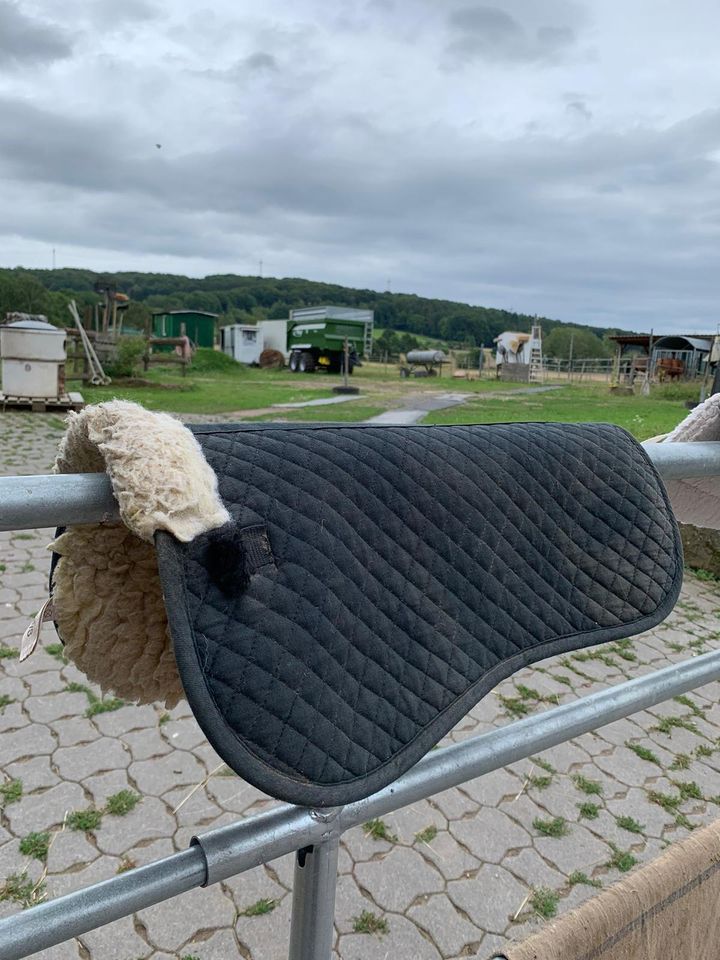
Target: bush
{"type": "Point", "coordinates": [129, 355]}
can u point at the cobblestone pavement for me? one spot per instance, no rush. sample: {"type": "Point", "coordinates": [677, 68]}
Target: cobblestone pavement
{"type": "Point", "coordinates": [448, 877]}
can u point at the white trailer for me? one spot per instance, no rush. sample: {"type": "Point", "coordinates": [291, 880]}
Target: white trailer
{"type": "Point", "coordinates": [242, 342]}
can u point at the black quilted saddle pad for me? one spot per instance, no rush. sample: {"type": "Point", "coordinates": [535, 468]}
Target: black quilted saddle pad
{"type": "Point", "coordinates": [376, 582]}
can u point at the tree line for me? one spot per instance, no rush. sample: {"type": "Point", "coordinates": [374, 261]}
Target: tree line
{"type": "Point", "coordinates": [247, 299]}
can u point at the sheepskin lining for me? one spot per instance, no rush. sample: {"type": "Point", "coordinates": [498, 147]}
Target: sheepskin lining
{"type": "Point", "coordinates": [109, 607]}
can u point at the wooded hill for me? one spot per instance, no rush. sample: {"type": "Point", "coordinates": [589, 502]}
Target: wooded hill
{"type": "Point", "coordinates": [243, 299]}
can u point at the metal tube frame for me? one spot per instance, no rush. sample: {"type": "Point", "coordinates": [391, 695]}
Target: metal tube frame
{"type": "Point", "coordinates": [314, 835]}
{"type": "Point", "coordinates": [313, 906]}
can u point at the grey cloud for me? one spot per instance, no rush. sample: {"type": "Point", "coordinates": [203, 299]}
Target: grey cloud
{"type": "Point", "coordinates": [486, 32]}
{"type": "Point", "coordinates": [555, 38]}
{"type": "Point", "coordinates": [541, 224]}
{"type": "Point", "coordinates": [261, 61]}
{"type": "Point", "coordinates": [481, 32]}
{"type": "Point", "coordinates": [108, 14]}
{"type": "Point", "coordinates": [617, 223]}
{"type": "Point", "coordinates": [578, 108]}
{"type": "Point", "coordinates": [24, 40]}
{"type": "Point", "coordinates": [85, 150]}
{"type": "Point", "coordinates": [127, 11]}
{"type": "Point", "coordinates": [255, 65]}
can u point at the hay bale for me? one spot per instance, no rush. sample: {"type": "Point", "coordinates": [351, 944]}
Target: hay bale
{"type": "Point", "coordinates": [271, 360]}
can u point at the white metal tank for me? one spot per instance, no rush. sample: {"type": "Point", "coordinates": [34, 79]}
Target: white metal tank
{"type": "Point", "coordinates": [33, 359]}
{"type": "Point", "coordinates": [426, 356]}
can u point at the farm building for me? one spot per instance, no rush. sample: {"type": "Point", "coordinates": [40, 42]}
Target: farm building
{"type": "Point", "coordinates": [518, 356]}
{"type": "Point", "coordinates": [196, 324]}
{"type": "Point", "coordinates": [512, 347]}
{"type": "Point", "coordinates": [673, 356]}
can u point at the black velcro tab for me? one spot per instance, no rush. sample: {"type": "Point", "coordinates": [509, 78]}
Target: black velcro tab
{"type": "Point", "coordinates": [258, 552]}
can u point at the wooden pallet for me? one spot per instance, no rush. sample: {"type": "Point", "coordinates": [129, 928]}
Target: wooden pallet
{"type": "Point", "coordinates": [66, 401]}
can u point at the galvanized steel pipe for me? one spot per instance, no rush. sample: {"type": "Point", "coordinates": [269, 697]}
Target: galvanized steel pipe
{"type": "Point", "coordinates": [57, 500]}
{"type": "Point", "coordinates": [230, 850]}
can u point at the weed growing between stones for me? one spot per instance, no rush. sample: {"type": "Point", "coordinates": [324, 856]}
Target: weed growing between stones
{"type": "Point", "coordinates": [369, 922]}
{"type": "Point", "coordinates": [378, 830]}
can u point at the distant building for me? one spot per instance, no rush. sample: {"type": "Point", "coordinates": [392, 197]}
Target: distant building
{"type": "Point", "coordinates": [512, 347]}
{"type": "Point", "coordinates": [198, 325]}
{"type": "Point", "coordinates": [678, 356]}
{"type": "Point", "coordinates": [519, 356]}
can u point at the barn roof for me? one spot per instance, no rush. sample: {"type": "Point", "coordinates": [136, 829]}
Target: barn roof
{"type": "Point", "coordinates": [703, 344]}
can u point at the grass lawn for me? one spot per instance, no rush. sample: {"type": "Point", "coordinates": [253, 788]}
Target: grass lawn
{"type": "Point", "coordinates": [233, 387]}
{"type": "Point", "coordinates": [216, 385]}
{"type": "Point", "coordinates": [643, 416]}
{"type": "Point", "coordinates": [242, 389]}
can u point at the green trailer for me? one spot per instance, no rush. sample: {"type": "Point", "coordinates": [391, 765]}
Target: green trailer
{"type": "Point", "coordinates": [316, 338]}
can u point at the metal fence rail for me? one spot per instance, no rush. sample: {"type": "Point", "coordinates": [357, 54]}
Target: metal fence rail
{"type": "Point", "coordinates": [30, 502]}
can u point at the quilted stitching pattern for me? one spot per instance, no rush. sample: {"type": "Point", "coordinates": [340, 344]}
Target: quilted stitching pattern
{"type": "Point", "coordinates": [409, 563]}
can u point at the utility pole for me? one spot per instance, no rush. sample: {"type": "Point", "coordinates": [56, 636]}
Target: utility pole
{"type": "Point", "coordinates": [261, 268]}
{"type": "Point", "coordinates": [570, 358]}
{"type": "Point", "coordinates": [645, 389]}
{"type": "Point", "coordinates": [53, 257]}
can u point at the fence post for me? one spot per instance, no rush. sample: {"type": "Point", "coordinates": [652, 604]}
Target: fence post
{"type": "Point", "coordinates": [313, 906]}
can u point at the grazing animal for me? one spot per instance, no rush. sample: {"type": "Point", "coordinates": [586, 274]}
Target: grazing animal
{"type": "Point", "coordinates": [670, 368]}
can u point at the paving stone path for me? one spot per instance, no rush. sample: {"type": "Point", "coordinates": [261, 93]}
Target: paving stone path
{"type": "Point", "coordinates": [90, 788]}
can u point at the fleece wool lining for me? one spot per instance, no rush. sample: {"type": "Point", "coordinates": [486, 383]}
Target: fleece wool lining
{"type": "Point", "coordinates": [696, 500]}
{"type": "Point", "coordinates": [107, 598]}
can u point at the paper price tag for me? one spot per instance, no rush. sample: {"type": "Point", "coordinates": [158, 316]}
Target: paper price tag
{"type": "Point", "coordinates": [32, 634]}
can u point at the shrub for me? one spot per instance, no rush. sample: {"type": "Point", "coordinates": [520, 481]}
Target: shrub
{"type": "Point", "coordinates": [129, 355]}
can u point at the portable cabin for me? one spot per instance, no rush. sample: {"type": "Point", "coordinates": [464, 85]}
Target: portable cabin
{"type": "Point", "coordinates": [243, 342]}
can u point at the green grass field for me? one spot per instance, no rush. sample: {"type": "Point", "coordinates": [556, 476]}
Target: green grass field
{"type": "Point", "coordinates": [232, 388]}
{"type": "Point", "coordinates": [215, 385]}
{"type": "Point", "coordinates": [644, 417]}
{"type": "Point", "coordinates": [245, 389]}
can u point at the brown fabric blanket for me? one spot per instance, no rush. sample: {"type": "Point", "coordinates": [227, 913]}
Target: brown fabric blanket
{"type": "Point", "coordinates": [667, 910]}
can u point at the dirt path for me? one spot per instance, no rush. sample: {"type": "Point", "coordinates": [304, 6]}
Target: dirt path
{"type": "Point", "coordinates": [423, 405]}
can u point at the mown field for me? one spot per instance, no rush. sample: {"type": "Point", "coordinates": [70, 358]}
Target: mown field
{"type": "Point", "coordinates": [644, 417]}
{"type": "Point", "coordinates": [217, 386]}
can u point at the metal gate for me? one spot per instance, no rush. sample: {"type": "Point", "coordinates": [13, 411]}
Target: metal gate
{"type": "Point", "coordinates": [314, 835]}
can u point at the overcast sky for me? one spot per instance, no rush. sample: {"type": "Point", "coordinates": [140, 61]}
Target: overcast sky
{"type": "Point", "coordinates": [548, 156]}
